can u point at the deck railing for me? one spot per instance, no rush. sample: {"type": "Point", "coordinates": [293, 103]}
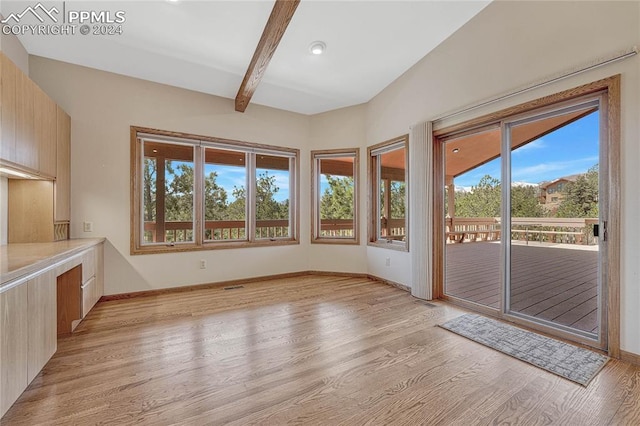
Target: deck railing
{"type": "Point", "coordinates": [224, 230]}
{"type": "Point", "coordinates": [182, 231]}
{"type": "Point", "coordinates": [540, 229]}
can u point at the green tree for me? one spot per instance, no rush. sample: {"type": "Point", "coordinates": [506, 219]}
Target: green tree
{"type": "Point", "coordinates": [524, 202]}
{"type": "Point", "coordinates": [484, 200]}
{"type": "Point", "coordinates": [581, 197]}
{"type": "Point", "coordinates": [149, 190]}
{"type": "Point", "coordinates": [398, 198]}
{"type": "Point", "coordinates": [267, 207]}
{"type": "Point", "coordinates": [178, 199]}
{"type": "Point", "coordinates": [215, 199]}
{"type": "Point", "coordinates": [337, 199]}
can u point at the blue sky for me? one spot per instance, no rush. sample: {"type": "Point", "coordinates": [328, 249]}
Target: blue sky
{"type": "Point", "coordinates": [569, 150]}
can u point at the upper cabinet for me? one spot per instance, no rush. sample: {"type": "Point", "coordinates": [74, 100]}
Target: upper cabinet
{"type": "Point", "coordinates": [26, 144]}
{"type": "Point", "coordinates": [29, 121]}
{"type": "Point", "coordinates": [8, 71]}
{"type": "Point", "coordinates": [62, 186]}
{"type": "Point", "coordinates": [45, 121]}
{"type": "Point", "coordinates": [36, 139]}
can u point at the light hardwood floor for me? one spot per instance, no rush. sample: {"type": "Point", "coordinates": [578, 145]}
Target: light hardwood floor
{"type": "Point", "coordinates": [305, 350]}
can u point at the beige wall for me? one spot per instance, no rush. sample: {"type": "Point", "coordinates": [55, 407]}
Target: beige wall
{"type": "Point", "coordinates": [509, 45]}
{"type": "Point", "coordinates": [103, 106]}
{"type": "Point", "coordinates": [11, 46]}
{"type": "Point", "coordinates": [342, 128]}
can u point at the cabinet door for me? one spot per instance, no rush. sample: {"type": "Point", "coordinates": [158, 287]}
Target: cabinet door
{"type": "Point", "coordinates": [63, 169]}
{"type": "Point", "coordinates": [88, 264]}
{"type": "Point", "coordinates": [13, 345]}
{"type": "Point", "coordinates": [88, 296]}
{"type": "Point", "coordinates": [46, 132]}
{"type": "Point", "coordinates": [42, 322]}
{"type": "Point", "coordinates": [8, 109]}
{"type": "Point", "coordinates": [26, 145]}
{"type": "Point", "coordinates": [99, 271]}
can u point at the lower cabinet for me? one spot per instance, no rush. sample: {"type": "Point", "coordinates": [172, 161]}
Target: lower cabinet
{"type": "Point", "coordinates": [42, 333]}
{"type": "Point", "coordinates": [29, 335]}
{"type": "Point", "coordinates": [13, 345]}
{"type": "Point", "coordinates": [29, 318]}
{"type": "Point", "coordinates": [92, 278]}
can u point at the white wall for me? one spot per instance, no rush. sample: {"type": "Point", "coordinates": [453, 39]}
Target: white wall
{"type": "Point", "coordinates": [506, 46]}
{"type": "Point", "coordinates": [11, 46]}
{"type": "Point", "coordinates": [103, 106]}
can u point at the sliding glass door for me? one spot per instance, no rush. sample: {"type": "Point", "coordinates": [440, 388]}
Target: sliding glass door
{"type": "Point", "coordinates": [524, 228]}
{"type": "Point", "coordinates": [553, 274]}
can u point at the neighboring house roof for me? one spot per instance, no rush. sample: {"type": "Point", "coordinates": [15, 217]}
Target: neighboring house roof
{"type": "Point", "coordinates": [570, 178]}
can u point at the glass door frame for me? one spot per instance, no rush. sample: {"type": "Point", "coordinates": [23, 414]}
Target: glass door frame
{"type": "Point", "coordinates": [608, 92]}
{"type": "Point", "coordinates": [594, 102]}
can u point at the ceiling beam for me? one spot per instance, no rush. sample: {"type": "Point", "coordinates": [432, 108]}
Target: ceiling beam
{"type": "Point", "coordinates": [278, 21]}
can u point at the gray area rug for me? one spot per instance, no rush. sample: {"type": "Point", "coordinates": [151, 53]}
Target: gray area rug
{"type": "Point", "coordinates": [568, 361]}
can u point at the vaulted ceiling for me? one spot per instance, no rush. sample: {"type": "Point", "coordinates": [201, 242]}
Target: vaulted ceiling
{"type": "Point", "coordinates": [207, 45]}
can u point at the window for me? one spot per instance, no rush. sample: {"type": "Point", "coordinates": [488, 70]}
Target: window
{"type": "Point", "coordinates": [198, 193]}
{"type": "Point", "coordinates": [388, 173]}
{"type": "Point", "coordinates": [335, 194]}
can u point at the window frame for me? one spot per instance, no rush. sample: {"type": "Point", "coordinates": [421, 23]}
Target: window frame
{"type": "Point", "coordinates": [373, 154]}
{"type": "Point", "coordinates": [316, 157]}
{"type": "Point", "coordinates": [200, 143]}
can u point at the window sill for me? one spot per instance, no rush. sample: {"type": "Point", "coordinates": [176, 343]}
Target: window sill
{"type": "Point", "coordinates": [389, 245]}
{"type": "Point", "coordinates": [335, 241]}
{"type": "Point", "coordinates": [179, 248]}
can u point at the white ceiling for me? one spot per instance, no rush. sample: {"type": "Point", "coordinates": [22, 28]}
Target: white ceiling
{"type": "Point", "coordinates": [207, 45]}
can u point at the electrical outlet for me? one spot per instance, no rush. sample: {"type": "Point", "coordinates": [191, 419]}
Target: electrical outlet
{"type": "Point", "coordinates": [87, 226]}
{"type": "Point", "coordinates": [203, 264]}
{"type": "Point", "coordinates": [387, 261]}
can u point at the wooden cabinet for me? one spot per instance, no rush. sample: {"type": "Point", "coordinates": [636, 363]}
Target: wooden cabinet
{"type": "Point", "coordinates": [62, 188]}
{"type": "Point", "coordinates": [92, 278]}
{"type": "Point", "coordinates": [13, 345]}
{"type": "Point", "coordinates": [31, 126]}
{"type": "Point", "coordinates": [30, 213]}
{"type": "Point", "coordinates": [26, 144]}
{"type": "Point", "coordinates": [8, 76]}
{"type": "Point", "coordinates": [45, 122]}
{"type": "Point", "coordinates": [42, 333]}
{"type": "Point", "coordinates": [28, 334]}
{"type": "Point", "coordinates": [30, 307]}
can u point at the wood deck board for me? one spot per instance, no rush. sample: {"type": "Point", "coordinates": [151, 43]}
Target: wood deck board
{"type": "Point", "coordinates": [557, 284]}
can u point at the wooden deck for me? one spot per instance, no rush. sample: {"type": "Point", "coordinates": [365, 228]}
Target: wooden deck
{"type": "Point", "coordinates": [549, 282]}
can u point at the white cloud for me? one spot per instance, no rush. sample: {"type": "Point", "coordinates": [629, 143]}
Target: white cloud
{"type": "Point", "coordinates": [535, 145]}
{"type": "Point", "coordinates": [553, 169]}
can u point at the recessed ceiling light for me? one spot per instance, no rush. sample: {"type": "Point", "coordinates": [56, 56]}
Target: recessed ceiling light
{"type": "Point", "coordinates": [317, 48]}
{"type": "Point", "coordinates": [173, 1]}
{"type": "Point", "coordinates": [456, 150]}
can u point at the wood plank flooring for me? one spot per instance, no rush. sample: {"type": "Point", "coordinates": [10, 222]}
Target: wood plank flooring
{"type": "Point", "coordinates": [305, 350]}
{"type": "Point", "coordinates": [555, 284]}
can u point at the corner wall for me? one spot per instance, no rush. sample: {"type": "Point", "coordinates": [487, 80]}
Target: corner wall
{"type": "Point", "coordinates": [342, 128]}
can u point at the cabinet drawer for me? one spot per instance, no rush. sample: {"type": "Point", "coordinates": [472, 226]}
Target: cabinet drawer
{"type": "Point", "coordinates": [88, 296]}
{"type": "Point", "coordinates": [88, 265]}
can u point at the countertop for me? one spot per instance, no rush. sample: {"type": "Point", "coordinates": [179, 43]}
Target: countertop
{"type": "Point", "coordinates": [17, 260]}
